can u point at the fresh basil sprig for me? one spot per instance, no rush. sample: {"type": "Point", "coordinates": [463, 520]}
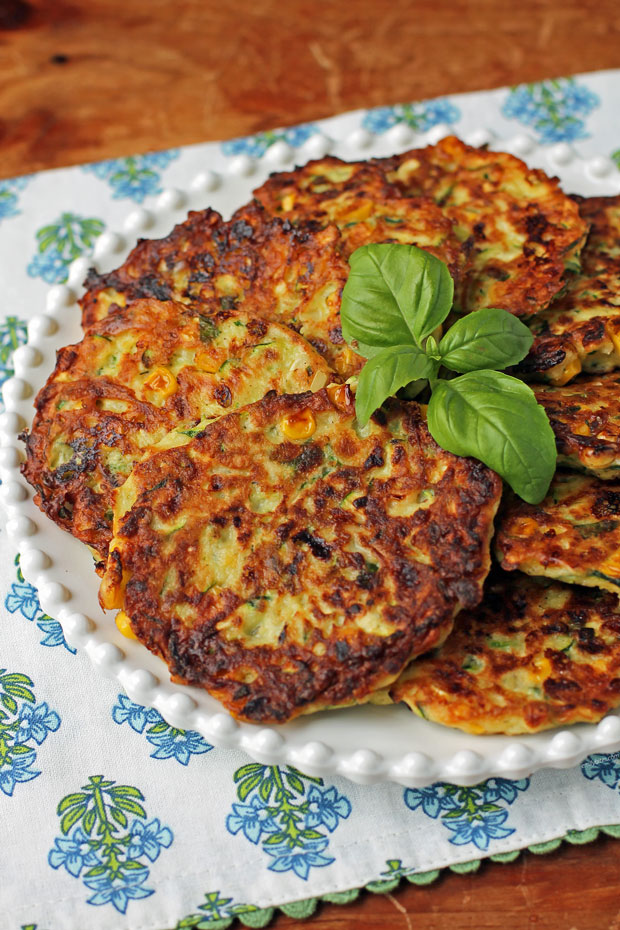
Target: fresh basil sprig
{"type": "Point", "coordinates": [393, 304]}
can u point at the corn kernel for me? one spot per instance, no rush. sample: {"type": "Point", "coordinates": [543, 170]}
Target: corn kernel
{"type": "Point", "coordinates": [599, 458]}
{"type": "Point", "coordinates": [361, 213]}
{"type": "Point", "coordinates": [124, 625]}
{"type": "Point", "coordinates": [161, 381]}
{"type": "Point", "coordinates": [112, 597]}
{"type": "Point", "coordinates": [613, 335]}
{"type": "Point", "coordinates": [299, 425]}
{"type": "Point", "coordinates": [340, 395]}
{"type": "Point", "coordinates": [611, 566]}
{"type": "Point", "coordinates": [542, 667]}
{"type": "Point", "coordinates": [582, 429]}
{"type": "Point", "coordinates": [288, 202]}
{"type": "Point", "coordinates": [344, 361]}
{"type": "Point", "coordinates": [208, 362]}
{"type": "Point", "coordinates": [571, 370]}
{"type": "Point", "coordinates": [524, 526]}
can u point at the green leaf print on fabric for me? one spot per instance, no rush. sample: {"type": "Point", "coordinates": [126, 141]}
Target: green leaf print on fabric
{"type": "Point", "coordinates": [60, 242]}
{"type": "Point", "coordinates": [107, 839]}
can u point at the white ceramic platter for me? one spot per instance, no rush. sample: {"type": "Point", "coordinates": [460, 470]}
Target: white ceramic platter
{"type": "Point", "coordinates": [366, 744]}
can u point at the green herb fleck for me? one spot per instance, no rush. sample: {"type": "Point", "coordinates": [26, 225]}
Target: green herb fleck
{"type": "Point", "coordinates": [207, 329]}
{"type": "Point", "coordinates": [588, 530]}
{"type": "Point", "coordinates": [499, 643]}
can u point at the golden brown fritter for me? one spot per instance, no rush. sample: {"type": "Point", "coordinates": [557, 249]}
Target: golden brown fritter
{"type": "Point", "coordinates": [572, 535]}
{"type": "Point", "coordinates": [356, 197]}
{"type": "Point", "coordinates": [299, 282]}
{"type": "Point", "coordinates": [535, 654]}
{"type": "Point", "coordinates": [267, 267]}
{"type": "Point", "coordinates": [76, 456]}
{"type": "Point", "coordinates": [580, 331]}
{"type": "Point", "coordinates": [143, 375]}
{"type": "Point", "coordinates": [174, 267]}
{"type": "Point", "coordinates": [585, 417]}
{"type": "Point", "coordinates": [290, 575]}
{"type": "Point", "coordinates": [520, 231]}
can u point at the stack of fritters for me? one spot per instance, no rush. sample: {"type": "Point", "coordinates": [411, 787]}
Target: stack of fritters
{"type": "Point", "coordinates": [581, 330]}
{"type": "Point", "coordinates": [202, 441]}
{"type": "Point", "coordinates": [146, 377]}
{"type": "Point", "coordinates": [545, 650]}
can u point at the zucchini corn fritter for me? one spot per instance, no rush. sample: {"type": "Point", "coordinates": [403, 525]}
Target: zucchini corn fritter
{"type": "Point", "coordinates": [266, 267]}
{"type": "Point", "coordinates": [287, 577]}
{"type": "Point", "coordinates": [572, 535]}
{"type": "Point", "coordinates": [357, 198]}
{"type": "Point", "coordinates": [585, 417]}
{"type": "Point", "coordinates": [520, 231]}
{"type": "Point", "coordinates": [580, 331]}
{"type": "Point", "coordinates": [536, 654]}
{"type": "Point", "coordinates": [120, 395]}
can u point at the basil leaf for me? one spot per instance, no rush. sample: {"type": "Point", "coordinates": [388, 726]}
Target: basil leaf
{"type": "Point", "coordinates": [432, 349]}
{"type": "Point", "coordinates": [433, 296]}
{"type": "Point", "coordinates": [495, 418]}
{"type": "Point", "coordinates": [387, 372]}
{"type": "Point", "coordinates": [413, 390]}
{"type": "Point", "coordinates": [367, 351]}
{"type": "Point", "coordinates": [487, 338]}
{"type": "Point", "coordinates": [395, 295]}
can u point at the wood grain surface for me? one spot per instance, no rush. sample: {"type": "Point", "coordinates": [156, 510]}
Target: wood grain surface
{"type": "Point", "coordinates": [575, 888]}
{"type": "Point", "coordinates": [83, 81]}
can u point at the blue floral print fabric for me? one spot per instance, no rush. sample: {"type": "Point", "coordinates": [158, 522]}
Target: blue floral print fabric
{"type": "Point", "coordinates": [557, 110]}
{"type": "Point", "coordinates": [24, 725]}
{"type": "Point", "coordinates": [419, 116]}
{"type": "Point", "coordinates": [473, 815]}
{"type": "Point", "coordinates": [287, 810]}
{"type": "Point", "coordinates": [169, 742]}
{"type": "Point", "coordinates": [59, 242]}
{"type": "Point", "coordinates": [135, 177]}
{"type": "Point", "coordinates": [9, 196]}
{"type": "Point", "coordinates": [107, 836]}
{"type": "Point", "coordinates": [22, 599]}
{"type": "Point", "coordinates": [112, 816]}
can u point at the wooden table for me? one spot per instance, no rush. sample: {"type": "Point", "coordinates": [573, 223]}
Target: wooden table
{"type": "Point", "coordinates": [83, 81]}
